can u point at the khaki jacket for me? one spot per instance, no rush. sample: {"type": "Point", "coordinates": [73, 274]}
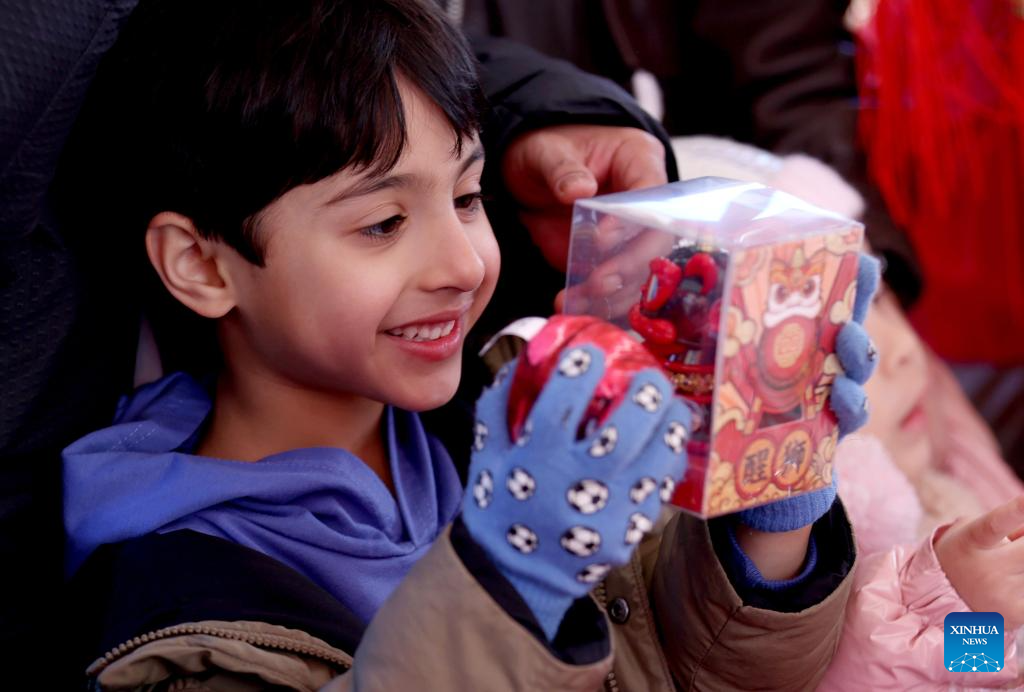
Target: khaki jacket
{"type": "Point", "coordinates": [676, 623]}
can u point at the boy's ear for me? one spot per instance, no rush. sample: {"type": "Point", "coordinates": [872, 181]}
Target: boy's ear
{"type": "Point", "coordinates": [191, 267]}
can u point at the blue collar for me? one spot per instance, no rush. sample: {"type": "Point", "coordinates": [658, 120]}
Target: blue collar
{"type": "Point", "coordinates": [321, 511]}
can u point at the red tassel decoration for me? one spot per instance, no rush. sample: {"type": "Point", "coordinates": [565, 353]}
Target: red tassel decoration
{"type": "Point", "coordinates": [942, 120]}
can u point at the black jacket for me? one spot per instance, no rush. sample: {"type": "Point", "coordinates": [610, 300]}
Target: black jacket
{"type": "Point", "coordinates": [778, 74]}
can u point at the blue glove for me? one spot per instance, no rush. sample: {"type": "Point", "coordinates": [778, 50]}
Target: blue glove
{"type": "Point", "coordinates": [554, 513]}
{"type": "Point", "coordinates": [858, 356]}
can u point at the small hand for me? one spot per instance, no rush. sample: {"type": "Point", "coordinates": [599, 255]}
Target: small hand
{"type": "Point", "coordinates": [983, 558]}
{"type": "Point", "coordinates": [556, 513]}
{"type": "Point", "coordinates": [547, 170]}
{"type": "Point", "coordinates": [857, 354]}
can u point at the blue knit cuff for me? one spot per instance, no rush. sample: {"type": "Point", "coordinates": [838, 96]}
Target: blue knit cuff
{"type": "Point", "coordinates": [752, 575]}
{"type": "Point", "coordinates": [547, 606]}
{"type": "Point", "coordinates": [792, 513]}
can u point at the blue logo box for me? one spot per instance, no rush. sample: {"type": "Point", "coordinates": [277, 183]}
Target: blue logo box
{"type": "Point", "coordinates": [973, 642]}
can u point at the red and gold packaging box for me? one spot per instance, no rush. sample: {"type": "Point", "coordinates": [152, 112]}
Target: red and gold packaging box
{"type": "Point", "coordinates": [739, 291]}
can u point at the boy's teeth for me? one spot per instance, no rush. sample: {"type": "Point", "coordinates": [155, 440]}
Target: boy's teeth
{"type": "Point", "coordinates": [424, 332]}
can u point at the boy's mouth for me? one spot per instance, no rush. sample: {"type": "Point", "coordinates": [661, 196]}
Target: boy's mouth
{"type": "Point", "coordinates": [437, 338]}
{"type": "Point", "coordinates": [424, 332]}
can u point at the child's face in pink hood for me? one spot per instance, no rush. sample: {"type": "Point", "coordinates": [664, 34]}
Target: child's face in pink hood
{"type": "Point", "coordinates": [897, 392]}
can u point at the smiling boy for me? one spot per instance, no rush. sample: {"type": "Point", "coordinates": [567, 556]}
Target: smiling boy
{"type": "Point", "coordinates": [410, 247]}
{"type": "Point", "coordinates": [331, 234]}
{"type": "Point", "coordinates": [308, 177]}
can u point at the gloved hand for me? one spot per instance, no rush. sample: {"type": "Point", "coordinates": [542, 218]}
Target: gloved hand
{"type": "Point", "coordinates": [858, 356]}
{"type": "Point", "coordinates": [556, 513]}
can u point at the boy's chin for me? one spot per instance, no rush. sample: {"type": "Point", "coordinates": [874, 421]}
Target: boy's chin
{"type": "Point", "coordinates": [437, 394]}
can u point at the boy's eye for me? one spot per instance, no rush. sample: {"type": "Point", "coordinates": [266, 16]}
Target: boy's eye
{"type": "Point", "coordinates": [471, 202]}
{"type": "Point", "coordinates": [385, 229]}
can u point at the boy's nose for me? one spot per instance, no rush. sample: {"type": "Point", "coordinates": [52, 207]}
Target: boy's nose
{"type": "Point", "coordinates": [453, 260]}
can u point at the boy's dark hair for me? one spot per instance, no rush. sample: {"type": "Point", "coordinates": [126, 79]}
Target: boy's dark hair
{"type": "Point", "coordinates": [215, 108]}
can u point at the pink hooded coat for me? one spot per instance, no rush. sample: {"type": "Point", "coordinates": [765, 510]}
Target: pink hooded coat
{"type": "Point", "coordinates": [893, 633]}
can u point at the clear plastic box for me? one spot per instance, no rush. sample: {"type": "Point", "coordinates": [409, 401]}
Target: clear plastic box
{"type": "Point", "coordinates": [739, 290]}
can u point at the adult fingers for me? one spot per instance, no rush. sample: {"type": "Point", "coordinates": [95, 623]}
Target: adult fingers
{"type": "Point", "coordinates": [559, 303]}
{"type": "Point", "coordinates": [614, 284]}
{"type": "Point", "coordinates": [557, 161]}
{"type": "Point", "coordinates": [550, 231]}
{"type": "Point", "coordinates": [639, 162]}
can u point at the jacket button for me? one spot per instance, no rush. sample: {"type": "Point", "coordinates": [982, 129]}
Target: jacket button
{"type": "Point", "coordinates": [618, 610]}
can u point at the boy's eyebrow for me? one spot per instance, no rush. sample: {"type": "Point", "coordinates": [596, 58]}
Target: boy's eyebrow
{"type": "Point", "coordinates": [368, 186]}
{"type": "Point", "coordinates": [476, 155]}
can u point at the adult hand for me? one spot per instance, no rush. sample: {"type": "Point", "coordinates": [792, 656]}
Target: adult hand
{"type": "Point", "coordinates": [547, 170]}
{"type": "Point", "coordinates": [983, 558]}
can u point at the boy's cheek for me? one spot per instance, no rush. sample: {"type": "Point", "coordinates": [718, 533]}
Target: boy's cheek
{"type": "Point", "coordinates": [487, 250]}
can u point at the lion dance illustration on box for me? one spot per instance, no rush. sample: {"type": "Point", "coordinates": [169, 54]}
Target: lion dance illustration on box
{"type": "Point", "coordinates": [749, 338]}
